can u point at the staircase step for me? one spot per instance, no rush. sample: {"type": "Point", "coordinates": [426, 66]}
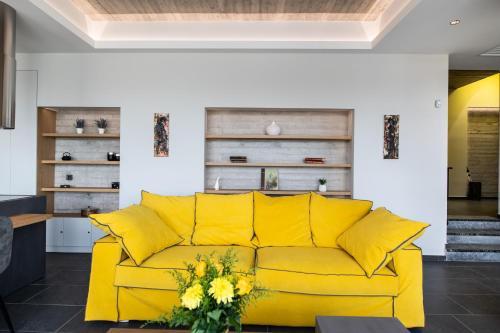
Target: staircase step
{"type": "Point", "coordinates": [473, 256]}
{"type": "Point", "coordinates": [473, 236]}
{"type": "Point", "coordinates": [473, 248]}
{"type": "Point", "coordinates": [474, 224]}
{"type": "Point", "coordinates": [473, 239]}
{"type": "Point", "coordinates": [474, 232]}
{"type": "Point", "coordinates": [473, 252]}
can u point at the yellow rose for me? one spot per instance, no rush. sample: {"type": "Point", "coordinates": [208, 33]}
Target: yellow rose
{"type": "Point", "coordinates": [201, 269]}
{"type": "Point", "coordinates": [244, 285]}
{"type": "Point", "coordinates": [192, 297]}
{"type": "Point", "coordinates": [219, 268]}
{"type": "Point", "coordinates": [221, 290]}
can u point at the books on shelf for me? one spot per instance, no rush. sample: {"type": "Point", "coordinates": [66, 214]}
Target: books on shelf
{"type": "Point", "coordinates": [238, 159]}
{"type": "Point", "coordinates": [314, 160]}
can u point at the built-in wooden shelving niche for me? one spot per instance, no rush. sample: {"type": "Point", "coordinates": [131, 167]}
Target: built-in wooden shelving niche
{"type": "Point", "coordinates": [92, 172]}
{"type": "Point", "coordinates": [324, 133]}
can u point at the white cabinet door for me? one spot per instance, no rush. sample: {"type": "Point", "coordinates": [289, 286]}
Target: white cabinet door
{"type": "Point", "coordinates": [54, 232]}
{"type": "Point", "coordinates": [97, 233]}
{"type": "Point", "coordinates": [77, 232]}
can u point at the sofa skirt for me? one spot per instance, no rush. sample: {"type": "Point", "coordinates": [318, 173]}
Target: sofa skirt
{"type": "Point", "coordinates": [275, 308]}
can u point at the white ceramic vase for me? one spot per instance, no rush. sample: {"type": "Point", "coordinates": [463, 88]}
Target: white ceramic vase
{"type": "Point", "coordinates": [79, 130]}
{"type": "Point", "coordinates": [322, 187]}
{"type": "Point", "coordinates": [273, 129]}
{"type": "Point", "coordinates": [217, 184]}
{"type": "Point", "coordinates": [101, 130]}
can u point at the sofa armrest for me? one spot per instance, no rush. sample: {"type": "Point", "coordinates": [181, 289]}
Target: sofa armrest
{"type": "Point", "coordinates": [409, 304]}
{"type": "Point", "coordinates": [102, 297]}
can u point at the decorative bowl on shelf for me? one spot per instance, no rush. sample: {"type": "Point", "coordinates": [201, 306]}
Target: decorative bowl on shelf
{"type": "Point", "coordinates": [273, 129]}
{"type": "Point", "coordinates": [85, 212]}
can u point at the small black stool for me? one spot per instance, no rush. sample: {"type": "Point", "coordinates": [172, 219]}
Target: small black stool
{"type": "Point", "coordinates": [474, 192]}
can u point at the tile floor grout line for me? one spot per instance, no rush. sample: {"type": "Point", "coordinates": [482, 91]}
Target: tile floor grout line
{"type": "Point", "coordinates": [458, 294]}
{"type": "Point", "coordinates": [463, 324]}
{"type": "Point", "coordinates": [36, 294]}
{"type": "Point", "coordinates": [60, 284]}
{"type": "Point", "coordinates": [460, 305]}
{"type": "Point", "coordinates": [494, 292]}
{"type": "Point", "coordinates": [69, 320]}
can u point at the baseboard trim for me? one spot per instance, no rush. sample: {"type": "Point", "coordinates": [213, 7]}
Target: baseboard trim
{"type": "Point", "coordinates": [69, 249]}
{"type": "Point", "coordinates": [428, 258]}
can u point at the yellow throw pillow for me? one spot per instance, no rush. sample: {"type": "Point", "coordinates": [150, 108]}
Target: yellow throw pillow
{"type": "Point", "coordinates": [139, 230]}
{"type": "Point", "coordinates": [176, 211]}
{"type": "Point", "coordinates": [282, 221]}
{"type": "Point", "coordinates": [373, 239]}
{"type": "Point", "coordinates": [223, 219]}
{"type": "Point", "coordinates": [331, 217]}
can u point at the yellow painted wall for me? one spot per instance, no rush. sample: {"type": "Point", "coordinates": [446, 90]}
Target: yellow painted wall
{"type": "Point", "coordinates": [483, 93]}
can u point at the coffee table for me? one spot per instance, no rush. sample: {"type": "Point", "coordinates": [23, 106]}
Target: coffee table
{"type": "Point", "coordinates": [359, 325]}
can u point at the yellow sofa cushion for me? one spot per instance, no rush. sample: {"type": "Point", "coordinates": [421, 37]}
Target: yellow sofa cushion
{"type": "Point", "coordinates": [319, 271]}
{"type": "Point", "coordinates": [176, 211]}
{"type": "Point", "coordinates": [138, 229]}
{"type": "Point", "coordinates": [282, 221]}
{"type": "Point", "coordinates": [154, 273]}
{"type": "Point", "coordinates": [331, 217]}
{"type": "Point", "coordinates": [372, 239]}
{"type": "Point", "coordinates": [223, 219]}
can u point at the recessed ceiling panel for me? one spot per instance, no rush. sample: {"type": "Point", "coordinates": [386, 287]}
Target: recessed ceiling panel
{"type": "Point", "coordinates": [217, 10]}
{"type": "Point", "coordinates": [494, 52]}
{"type": "Point", "coordinates": [227, 24]}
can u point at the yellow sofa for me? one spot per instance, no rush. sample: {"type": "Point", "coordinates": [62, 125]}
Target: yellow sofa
{"type": "Point", "coordinates": [302, 282]}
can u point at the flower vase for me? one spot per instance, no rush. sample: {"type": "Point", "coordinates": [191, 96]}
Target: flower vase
{"type": "Point", "coordinates": [79, 130]}
{"type": "Point", "coordinates": [101, 130]}
{"type": "Point", "coordinates": [273, 129]}
{"type": "Point", "coordinates": [322, 188]}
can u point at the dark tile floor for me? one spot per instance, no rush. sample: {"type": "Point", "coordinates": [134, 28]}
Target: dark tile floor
{"type": "Point", "coordinates": [464, 207]}
{"type": "Point", "coordinates": [459, 297]}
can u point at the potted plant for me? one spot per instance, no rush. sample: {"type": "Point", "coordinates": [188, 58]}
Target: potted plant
{"type": "Point", "coordinates": [79, 125]}
{"type": "Point", "coordinates": [102, 124]}
{"type": "Point", "coordinates": [213, 295]}
{"type": "Point", "coordinates": [322, 185]}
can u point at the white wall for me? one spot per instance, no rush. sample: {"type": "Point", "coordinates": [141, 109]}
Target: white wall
{"type": "Point", "coordinates": [18, 146]}
{"type": "Point", "coordinates": [183, 84]}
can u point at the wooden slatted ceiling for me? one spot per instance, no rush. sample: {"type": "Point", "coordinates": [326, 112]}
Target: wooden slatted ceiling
{"type": "Point", "coordinates": [217, 10]}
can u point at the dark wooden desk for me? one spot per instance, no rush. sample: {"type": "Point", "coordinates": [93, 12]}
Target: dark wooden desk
{"type": "Point", "coordinates": [28, 246]}
{"type": "Point", "coordinates": [359, 325]}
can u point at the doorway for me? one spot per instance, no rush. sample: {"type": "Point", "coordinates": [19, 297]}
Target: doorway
{"type": "Point", "coordinates": [473, 144]}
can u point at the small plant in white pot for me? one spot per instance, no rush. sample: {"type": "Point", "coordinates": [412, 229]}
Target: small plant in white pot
{"type": "Point", "coordinates": [102, 124]}
{"type": "Point", "coordinates": [79, 125]}
{"type": "Point", "coordinates": [322, 185]}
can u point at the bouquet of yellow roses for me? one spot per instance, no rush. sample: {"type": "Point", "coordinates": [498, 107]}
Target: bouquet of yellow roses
{"type": "Point", "coordinates": [213, 296]}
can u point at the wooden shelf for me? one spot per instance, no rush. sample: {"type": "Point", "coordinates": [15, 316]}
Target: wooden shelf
{"type": "Point", "coordinates": [278, 137]}
{"type": "Point", "coordinates": [279, 192]}
{"type": "Point", "coordinates": [23, 220]}
{"type": "Point", "coordinates": [305, 132]}
{"type": "Point", "coordinates": [277, 165]}
{"type": "Point", "coordinates": [81, 162]}
{"type": "Point", "coordinates": [82, 136]}
{"type": "Point", "coordinates": [81, 189]}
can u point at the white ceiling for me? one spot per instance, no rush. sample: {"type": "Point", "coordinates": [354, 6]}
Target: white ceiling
{"type": "Point", "coordinates": [425, 29]}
